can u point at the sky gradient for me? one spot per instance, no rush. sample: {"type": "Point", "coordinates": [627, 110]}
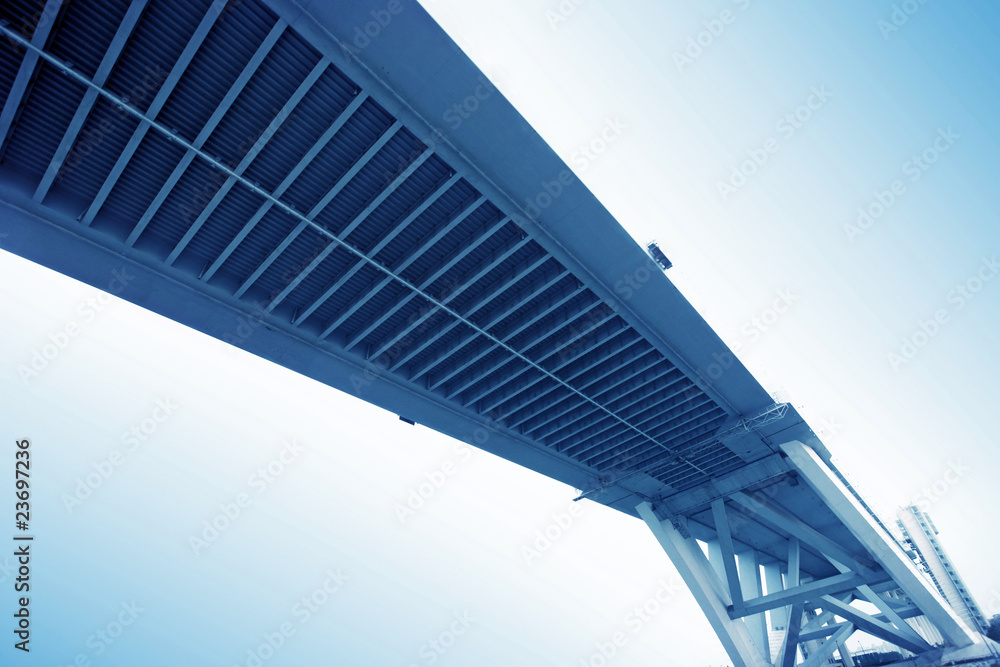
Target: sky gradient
{"type": "Point", "coordinates": [751, 140]}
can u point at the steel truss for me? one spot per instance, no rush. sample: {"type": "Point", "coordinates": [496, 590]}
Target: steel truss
{"type": "Point", "coordinates": [818, 615]}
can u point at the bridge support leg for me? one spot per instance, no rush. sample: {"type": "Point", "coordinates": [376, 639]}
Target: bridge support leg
{"type": "Point", "coordinates": [881, 546]}
{"type": "Point", "coordinates": [717, 560]}
{"type": "Point", "coordinates": [777, 618]}
{"type": "Point", "coordinates": [846, 655]}
{"type": "Point", "coordinates": [809, 648]}
{"type": "Point", "coordinates": [707, 588]}
{"type": "Point", "coordinates": [793, 614]}
{"type": "Point", "coordinates": [749, 567]}
{"type": "Point", "coordinates": [727, 584]}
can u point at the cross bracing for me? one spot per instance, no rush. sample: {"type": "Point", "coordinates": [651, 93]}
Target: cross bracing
{"type": "Point", "coordinates": [215, 140]}
{"type": "Point", "coordinates": [274, 184]}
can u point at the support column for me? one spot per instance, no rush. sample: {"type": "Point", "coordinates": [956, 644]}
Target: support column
{"type": "Point", "coordinates": [718, 563]}
{"type": "Point", "coordinates": [880, 545]}
{"type": "Point", "coordinates": [728, 554]}
{"type": "Point", "coordinates": [810, 647]}
{"type": "Point", "coordinates": [777, 618]}
{"type": "Point", "coordinates": [705, 585]}
{"type": "Point", "coordinates": [789, 646]}
{"type": "Point", "coordinates": [749, 568]}
{"type": "Point", "coordinates": [846, 655]}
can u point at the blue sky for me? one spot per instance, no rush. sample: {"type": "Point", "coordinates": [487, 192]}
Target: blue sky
{"type": "Point", "coordinates": [843, 155]}
{"type": "Point", "coordinates": [749, 161]}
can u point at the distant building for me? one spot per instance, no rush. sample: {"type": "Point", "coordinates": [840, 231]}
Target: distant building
{"type": "Point", "coordinates": [920, 538]}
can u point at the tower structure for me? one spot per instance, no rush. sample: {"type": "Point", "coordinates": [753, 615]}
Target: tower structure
{"type": "Point", "coordinates": [920, 538]}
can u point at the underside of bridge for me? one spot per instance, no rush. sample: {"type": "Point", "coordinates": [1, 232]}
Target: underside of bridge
{"type": "Point", "coordinates": [275, 174]}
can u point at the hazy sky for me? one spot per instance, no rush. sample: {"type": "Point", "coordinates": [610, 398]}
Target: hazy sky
{"type": "Point", "coordinates": [748, 160]}
{"type": "Point", "coordinates": [840, 155]}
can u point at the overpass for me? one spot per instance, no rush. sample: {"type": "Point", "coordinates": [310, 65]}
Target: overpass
{"type": "Point", "coordinates": [335, 187]}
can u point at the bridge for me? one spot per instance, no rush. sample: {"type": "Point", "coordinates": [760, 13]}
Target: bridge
{"type": "Point", "coordinates": [336, 188]}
